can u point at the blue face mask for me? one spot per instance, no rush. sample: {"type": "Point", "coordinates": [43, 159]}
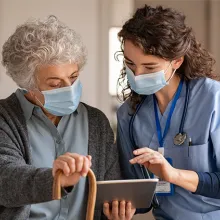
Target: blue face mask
{"type": "Point", "coordinates": [63, 101]}
{"type": "Point", "coordinates": [147, 84]}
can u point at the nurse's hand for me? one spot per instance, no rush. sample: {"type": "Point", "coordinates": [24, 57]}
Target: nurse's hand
{"type": "Point", "coordinates": [154, 162]}
{"type": "Point", "coordinates": [119, 211]}
{"type": "Point", "coordinates": [73, 166]}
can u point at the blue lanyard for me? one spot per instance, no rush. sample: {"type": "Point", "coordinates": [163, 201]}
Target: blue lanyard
{"type": "Point", "coordinates": [159, 133]}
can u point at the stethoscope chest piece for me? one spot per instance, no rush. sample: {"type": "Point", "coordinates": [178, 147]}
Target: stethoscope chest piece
{"type": "Point", "coordinates": [179, 139]}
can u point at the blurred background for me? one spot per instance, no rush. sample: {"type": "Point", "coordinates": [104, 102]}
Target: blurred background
{"type": "Point", "coordinates": [98, 22]}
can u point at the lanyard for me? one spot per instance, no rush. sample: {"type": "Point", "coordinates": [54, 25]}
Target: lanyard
{"type": "Point", "coordinates": [159, 133]}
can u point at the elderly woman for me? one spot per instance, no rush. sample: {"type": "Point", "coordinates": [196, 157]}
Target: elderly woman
{"type": "Point", "coordinates": [44, 127]}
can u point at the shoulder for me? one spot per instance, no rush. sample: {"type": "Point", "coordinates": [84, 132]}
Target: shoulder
{"type": "Point", "coordinates": [12, 122]}
{"type": "Point", "coordinates": [96, 114]}
{"type": "Point", "coordinates": [124, 111]}
{"type": "Point", "coordinates": [206, 84]}
{"type": "Point", "coordinates": [11, 101]}
{"type": "Point", "coordinates": [10, 107]}
{"type": "Point", "coordinates": [205, 89]}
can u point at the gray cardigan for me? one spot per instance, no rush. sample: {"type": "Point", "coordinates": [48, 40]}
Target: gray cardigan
{"type": "Point", "coordinates": [21, 184]}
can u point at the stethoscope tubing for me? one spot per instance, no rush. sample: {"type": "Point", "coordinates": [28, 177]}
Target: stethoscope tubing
{"type": "Point", "coordinates": [144, 171]}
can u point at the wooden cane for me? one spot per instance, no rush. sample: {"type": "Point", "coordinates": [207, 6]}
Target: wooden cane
{"type": "Point", "coordinates": [92, 192]}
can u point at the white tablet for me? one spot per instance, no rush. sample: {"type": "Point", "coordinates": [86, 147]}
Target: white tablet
{"type": "Point", "coordinates": [139, 192]}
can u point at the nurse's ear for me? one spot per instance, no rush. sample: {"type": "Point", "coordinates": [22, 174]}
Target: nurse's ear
{"type": "Point", "coordinates": [177, 63]}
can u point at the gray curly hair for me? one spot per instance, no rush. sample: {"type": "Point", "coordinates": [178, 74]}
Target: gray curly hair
{"type": "Point", "coordinates": [37, 43]}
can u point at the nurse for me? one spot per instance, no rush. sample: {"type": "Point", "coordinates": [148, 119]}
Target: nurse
{"type": "Point", "coordinates": [169, 123]}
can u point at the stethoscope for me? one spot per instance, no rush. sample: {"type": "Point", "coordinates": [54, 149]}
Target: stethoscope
{"type": "Point", "coordinates": [178, 140]}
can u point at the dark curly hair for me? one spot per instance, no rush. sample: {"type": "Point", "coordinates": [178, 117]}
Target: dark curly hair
{"type": "Point", "coordinates": [162, 32]}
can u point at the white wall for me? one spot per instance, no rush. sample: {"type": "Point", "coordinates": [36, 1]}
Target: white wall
{"type": "Point", "coordinates": [215, 31]}
{"type": "Point", "coordinates": [113, 13]}
{"type": "Point", "coordinates": [81, 15]}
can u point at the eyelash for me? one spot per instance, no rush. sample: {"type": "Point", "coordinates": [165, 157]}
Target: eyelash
{"type": "Point", "coordinates": [131, 64]}
{"type": "Point", "coordinates": [148, 68]}
{"type": "Point", "coordinates": [73, 77]}
{"type": "Point", "coordinates": [58, 85]}
{"type": "Point", "coordinates": [55, 86]}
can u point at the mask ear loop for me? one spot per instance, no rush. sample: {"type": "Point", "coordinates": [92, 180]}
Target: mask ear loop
{"type": "Point", "coordinates": [171, 74]}
{"type": "Point", "coordinates": [39, 101]}
{"type": "Point", "coordinates": [41, 104]}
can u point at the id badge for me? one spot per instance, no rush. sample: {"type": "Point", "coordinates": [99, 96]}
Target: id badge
{"type": "Point", "coordinates": [164, 188]}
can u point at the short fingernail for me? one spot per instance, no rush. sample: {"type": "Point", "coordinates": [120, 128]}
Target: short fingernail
{"type": "Point", "coordinates": [132, 160]}
{"type": "Point", "coordinates": [135, 151]}
{"type": "Point", "coordinates": [84, 174]}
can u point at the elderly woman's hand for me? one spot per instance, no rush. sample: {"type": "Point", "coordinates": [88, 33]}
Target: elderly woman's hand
{"type": "Point", "coordinates": [154, 162]}
{"type": "Point", "coordinates": [73, 166]}
{"type": "Point", "coordinates": [119, 211]}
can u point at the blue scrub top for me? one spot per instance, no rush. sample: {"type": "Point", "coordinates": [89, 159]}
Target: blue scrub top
{"type": "Point", "coordinates": [202, 125]}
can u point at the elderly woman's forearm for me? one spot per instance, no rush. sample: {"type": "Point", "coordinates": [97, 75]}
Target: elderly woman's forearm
{"type": "Point", "coordinates": [23, 184]}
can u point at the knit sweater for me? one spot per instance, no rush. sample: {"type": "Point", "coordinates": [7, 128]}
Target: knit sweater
{"type": "Point", "coordinates": [22, 184]}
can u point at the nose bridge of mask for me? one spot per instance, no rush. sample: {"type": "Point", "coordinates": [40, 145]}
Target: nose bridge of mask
{"type": "Point", "coordinates": [60, 94]}
{"type": "Point", "coordinates": [147, 75]}
{"type": "Point", "coordinates": [60, 90]}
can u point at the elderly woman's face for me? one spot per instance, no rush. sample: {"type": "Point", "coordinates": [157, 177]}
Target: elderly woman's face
{"type": "Point", "coordinates": [52, 77]}
{"type": "Point", "coordinates": [57, 76]}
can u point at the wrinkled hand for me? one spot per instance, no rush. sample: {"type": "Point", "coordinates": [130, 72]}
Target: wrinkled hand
{"type": "Point", "coordinates": [119, 211]}
{"type": "Point", "coordinates": [154, 162]}
{"type": "Point", "coordinates": [73, 166]}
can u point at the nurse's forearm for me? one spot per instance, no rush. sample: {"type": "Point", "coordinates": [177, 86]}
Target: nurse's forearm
{"type": "Point", "coordinates": [186, 179]}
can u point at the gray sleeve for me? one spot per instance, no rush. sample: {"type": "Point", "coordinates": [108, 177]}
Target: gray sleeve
{"type": "Point", "coordinates": [113, 171]}
{"type": "Point", "coordinates": [20, 183]}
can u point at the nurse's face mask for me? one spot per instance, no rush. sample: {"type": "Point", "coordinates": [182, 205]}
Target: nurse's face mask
{"type": "Point", "coordinates": [150, 83]}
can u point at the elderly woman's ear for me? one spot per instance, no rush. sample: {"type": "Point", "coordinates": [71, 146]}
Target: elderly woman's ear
{"type": "Point", "coordinates": [35, 96]}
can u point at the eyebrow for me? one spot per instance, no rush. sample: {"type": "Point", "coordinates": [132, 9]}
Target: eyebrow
{"type": "Point", "coordinates": [150, 63]}
{"type": "Point", "coordinates": [54, 77]}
